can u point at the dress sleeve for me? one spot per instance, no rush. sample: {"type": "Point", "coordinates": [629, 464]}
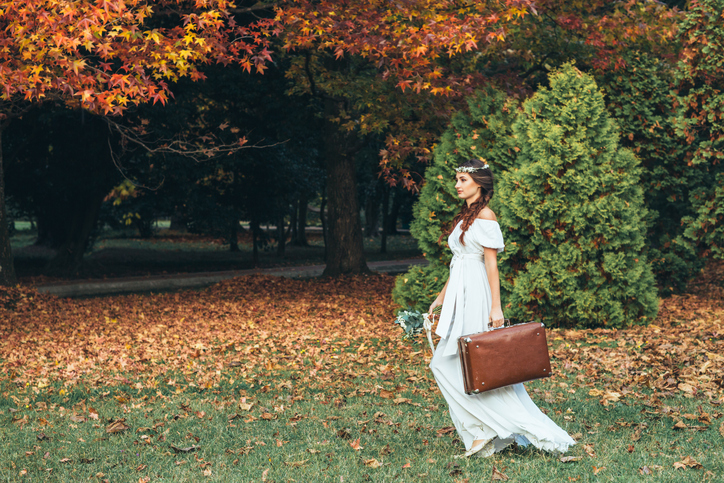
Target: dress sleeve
{"type": "Point", "coordinates": [489, 235]}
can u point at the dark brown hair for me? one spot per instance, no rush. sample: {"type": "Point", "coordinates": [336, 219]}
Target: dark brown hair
{"type": "Point", "coordinates": [468, 214]}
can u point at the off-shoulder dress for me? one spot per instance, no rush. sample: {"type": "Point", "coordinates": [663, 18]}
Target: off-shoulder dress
{"type": "Point", "coordinates": [501, 416]}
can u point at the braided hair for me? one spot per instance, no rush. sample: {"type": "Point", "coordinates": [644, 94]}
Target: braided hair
{"type": "Point", "coordinates": [483, 177]}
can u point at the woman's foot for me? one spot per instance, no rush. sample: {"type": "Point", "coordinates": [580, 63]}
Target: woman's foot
{"type": "Point", "coordinates": [478, 444]}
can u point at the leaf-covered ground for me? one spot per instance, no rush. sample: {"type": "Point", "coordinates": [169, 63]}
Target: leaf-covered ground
{"type": "Point", "coordinates": [263, 378]}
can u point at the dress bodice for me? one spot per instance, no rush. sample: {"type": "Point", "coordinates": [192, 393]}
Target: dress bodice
{"type": "Point", "coordinates": [482, 233]}
{"type": "Point", "coordinates": [467, 301]}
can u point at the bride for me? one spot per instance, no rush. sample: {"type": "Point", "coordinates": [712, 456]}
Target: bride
{"type": "Point", "coordinates": [490, 421]}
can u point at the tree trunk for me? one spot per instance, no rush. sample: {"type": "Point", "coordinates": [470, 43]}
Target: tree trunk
{"type": "Point", "coordinates": [344, 248]}
{"type": "Point", "coordinates": [82, 221]}
{"type": "Point", "coordinates": [178, 222]}
{"type": "Point", "coordinates": [301, 238]}
{"type": "Point", "coordinates": [255, 228]}
{"type": "Point", "coordinates": [372, 210]}
{"type": "Point", "coordinates": [323, 220]}
{"type": "Point", "coordinates": [7, 267]}
{"type": "Point", "coordinates": [234, 236]}
{"type": "Point", "coordinates": [293, 222]}
{"type": "Point", "coordinates": [281, 236]}
{"type": "Point", "coordinates": [83, 150]}
{"type": "Point", "coordinates": [385, 217]}
{"type": "Point", "coordinates": [394, 213]}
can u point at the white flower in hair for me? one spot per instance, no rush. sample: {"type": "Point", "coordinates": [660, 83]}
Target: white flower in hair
{"type": "Point", "coordinates": [470, 169]}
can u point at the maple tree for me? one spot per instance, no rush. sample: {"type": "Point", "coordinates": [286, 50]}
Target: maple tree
{"type": "Point", "coordinates": [106, 56]}
{"type": "Point", "coordinates": [401, 69]}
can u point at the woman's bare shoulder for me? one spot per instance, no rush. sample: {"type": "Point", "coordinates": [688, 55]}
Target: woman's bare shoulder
{"type": "Point", "coordinates": [487, 214]}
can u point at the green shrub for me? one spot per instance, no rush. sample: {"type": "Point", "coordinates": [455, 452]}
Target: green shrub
{"type": "Point", "coordinates": [485, 131]}
{"type": "Point", "coordinates": [639, 97]}
{"type": "Point", "coordinates": [572, 214]}
{"type": "Point", "coordinates": [700, 121]}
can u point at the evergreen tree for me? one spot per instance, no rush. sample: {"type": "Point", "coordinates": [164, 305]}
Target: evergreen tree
{"type": "Point", "coordinates": [700, 121]}
{"type": "Point", "coordinates": [485, 131]}
{"type": "Point", "coordinates": [572, 214]}
{"type": "Point", "coordinates": [639, 97]}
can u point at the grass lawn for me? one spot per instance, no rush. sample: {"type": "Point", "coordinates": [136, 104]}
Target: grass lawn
{"type": "Point", "coordinates": [265, 379]}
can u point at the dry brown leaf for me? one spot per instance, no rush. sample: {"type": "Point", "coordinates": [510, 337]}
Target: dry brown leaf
{"type": "Point", "coordinates": [687, 462]}
{"type": "Point", "coordinates": [117, 426]}
{"type": "Point", "coordinates": [184, 450]}
{"type": "Point", "coordinates": [77, 418]}
{"type": "Point", "coordinates": [356, 444]}
{"type": "Point", "coordinates": [498, 475]}
{"type": "Point", "coordinates": [570, 459]}
{"type": "Point", "coordinates": [296, 464]}
{"type": "Point", "coordinates": [372, 463]}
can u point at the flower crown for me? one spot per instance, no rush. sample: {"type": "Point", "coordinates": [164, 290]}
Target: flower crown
{"type": "Point", "coordinates": [470, 169]}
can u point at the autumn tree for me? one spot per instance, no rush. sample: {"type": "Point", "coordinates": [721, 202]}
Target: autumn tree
{"type": "Point", "coordinates": [700, 121]}
{"type": "Point", "coordinates": [436, 53]}
{"type": "Point", "coordinates": [107, 56]}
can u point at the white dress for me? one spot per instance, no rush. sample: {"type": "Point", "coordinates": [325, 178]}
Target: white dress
{"type": "Point", "coordinates": [501, 416]}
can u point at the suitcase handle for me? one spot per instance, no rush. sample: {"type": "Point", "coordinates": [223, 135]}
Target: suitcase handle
{"type": "Point", "coordinates": [506, 323]}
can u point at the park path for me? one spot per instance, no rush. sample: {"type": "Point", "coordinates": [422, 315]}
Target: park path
{"type": "Point", "coordinates": [161, 283]}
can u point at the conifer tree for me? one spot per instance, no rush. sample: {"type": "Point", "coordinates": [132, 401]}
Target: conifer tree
{"type": "Point", "coordinates": [572, 214]}
{"type": "Point", "coordinates": [485, 131]}
{"type": "Point", "coordinates": [639, 97]}
{"type": "Point", "coordinates": [700, 121]}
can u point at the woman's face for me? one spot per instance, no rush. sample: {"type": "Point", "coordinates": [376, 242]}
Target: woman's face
{"type": "Point", "coordinates": [467, 188]}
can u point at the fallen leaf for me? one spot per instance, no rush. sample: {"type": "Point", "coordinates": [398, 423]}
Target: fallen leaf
{"type": "Point", "coordinates": [117, 426]}
{"type": "Point", "coordinates": [680, 425]}
{"type": "Point", "coordinates": [296, 464]}
{"type": "Point", "coordinates": [687, 462]}
{"type": "Point", "coordinates": [569, 459]}
{"type": "Point", "coordinates": [407, 465]}
{"type": "Point", "coordinates": [645, 470]}
{"type": "Point", "coordinates": [77, 418]}
{"type": "Point", "coordinates": [65, 460]}
{"type": "Point", "coordinates": [356, 445]}
{"type": "Point", "coordinates": [597, 470]}
{"type": "Point", "coordinates": [184, 450]}
{"type": "Point", "coordinates": [498, 475]}
{"type": "Point", "coordinates": [373, 463]}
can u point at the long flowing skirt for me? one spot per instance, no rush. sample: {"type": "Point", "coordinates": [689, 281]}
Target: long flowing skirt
{"type": "Point", "coordinates": [499, 417]}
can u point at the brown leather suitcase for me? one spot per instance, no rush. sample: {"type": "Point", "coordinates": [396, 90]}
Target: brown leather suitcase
{"type": "Point", "coordinates": [504, 356]}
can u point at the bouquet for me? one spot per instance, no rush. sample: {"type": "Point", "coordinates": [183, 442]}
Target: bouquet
{"type": "Point", "coordinates": [414, 323]}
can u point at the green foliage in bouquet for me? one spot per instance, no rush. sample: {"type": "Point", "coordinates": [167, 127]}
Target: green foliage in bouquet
{"type": "Point", "coordinates": [639, 97]}
{"type": "Point", "coordinates": [485, 131]}
{"type": "Point", "coordinates": [700, 121]}
{"type": "Point", "coordinates": [573, 214]}
{"type": "Point", "coordinates": [412, 322]}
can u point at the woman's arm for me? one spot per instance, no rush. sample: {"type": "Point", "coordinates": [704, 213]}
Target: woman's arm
{"type": "Point", "coordinates": [490, 256]}
{"type": "Point", "coordinates": [439, 299]}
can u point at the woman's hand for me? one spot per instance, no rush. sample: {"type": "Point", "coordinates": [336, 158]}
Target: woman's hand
{"type": "Point", "coordinates": [496, 318]}
{"type": "Point", "coordinates": [436, 303]}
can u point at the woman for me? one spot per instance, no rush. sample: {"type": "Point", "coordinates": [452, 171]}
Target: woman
{"type": "Point", "coordinates": [490, 421]}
